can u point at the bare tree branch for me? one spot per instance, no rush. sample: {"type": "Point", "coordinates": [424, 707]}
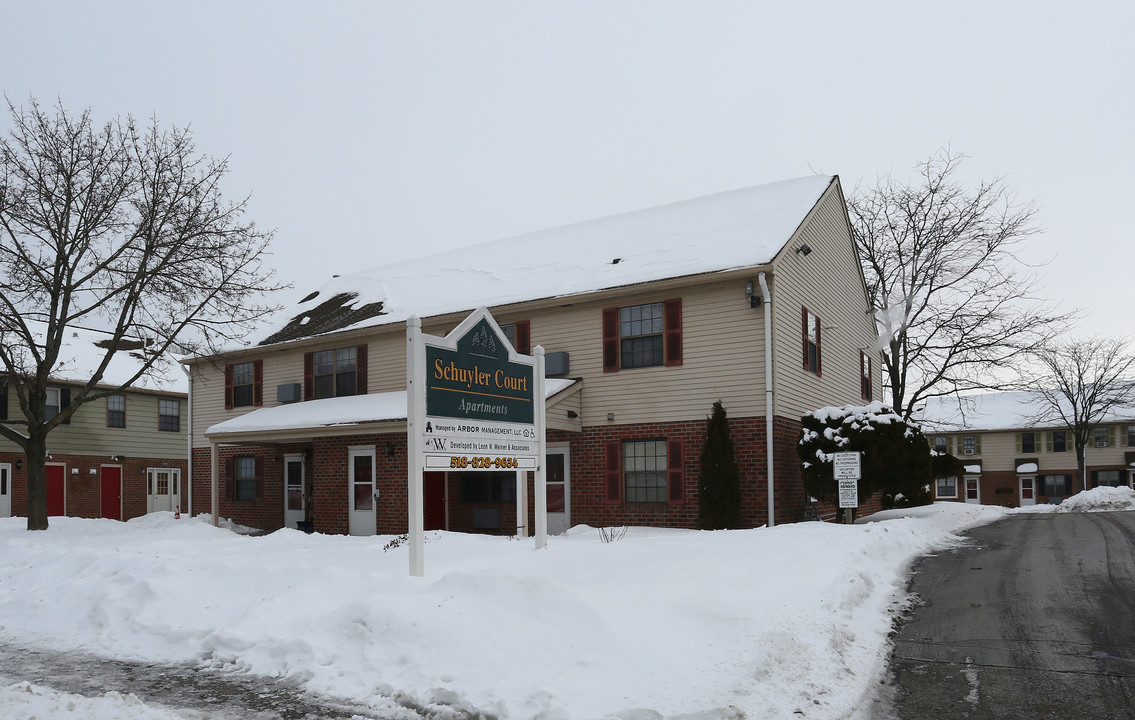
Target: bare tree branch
{"type": "Point", "coordinates": [117, 229]}
{"type": "Point", "coordinates": [955, 304]}
{"type": "Point", "coordinates": [1082, 383]}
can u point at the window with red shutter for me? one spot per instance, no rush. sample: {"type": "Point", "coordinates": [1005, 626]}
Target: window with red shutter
{"type": "Point", "coordinates": [519, 335]}
{"type": "Point", "coordinates": [676, 469]}
{"type": "Point", "coordinates": [866, 370]}
{"type": "Point", "coordinates": [334, 373]}
{"type": "Point", "coordinates": [241, 384]}
{"type": "Point", "coordinates": [361, 370]}
{"type": "Point", "coordinates": [811, 340]}
{"type": "Point", "coordinates": [258, 383]}
{"type": "Point", "coordinates": [673, 331]}
{"type": "Point", "coordinates": [309, 376]}
{"type": "Point", "coordinates": [645, 335]}
{"type": "Point", "coordinates": [246, 477]}
{"type": "Point", "coordinates": [645, 471]}
{"type": "Point", "coordinates": [523, 342]}
{"type": "Point", "coordinates": [614, 471]}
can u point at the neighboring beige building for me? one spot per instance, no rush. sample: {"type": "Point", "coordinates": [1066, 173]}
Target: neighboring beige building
{"type": "Point", "coordinates": [1012, 459]}
{"type": "Point", "coordinates": [118, 457]}
{"type": "Point", "coordinates": [647, 318]}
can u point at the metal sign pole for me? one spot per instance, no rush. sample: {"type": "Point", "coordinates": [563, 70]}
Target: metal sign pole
{"type": "Point", "coordinates": [542, 458]}
{"type": "Point", "coordinates": [415, 413]}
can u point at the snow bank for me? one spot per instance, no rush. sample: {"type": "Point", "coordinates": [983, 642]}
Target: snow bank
{"type": "Point", "coordinates": [25, 700]}
{"type": "Point", "coordinates": [783, 622]}
{"type": "Point", "coordinates": [1100, 499]}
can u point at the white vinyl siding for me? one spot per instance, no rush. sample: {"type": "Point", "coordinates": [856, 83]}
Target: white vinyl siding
{"type": "Point", "coordinates": [88, 434]}
{"type": "Point", "coordinates": [829, 282]}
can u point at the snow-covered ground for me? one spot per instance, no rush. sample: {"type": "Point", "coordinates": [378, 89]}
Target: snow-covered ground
{"type": "Point", "coordinates": [27, 701]}
{"type": "Point", "coordinates": [784, 622]}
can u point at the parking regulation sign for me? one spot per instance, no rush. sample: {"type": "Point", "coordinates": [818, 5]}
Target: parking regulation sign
{"type": "Point", "coordinates": [847, 465]}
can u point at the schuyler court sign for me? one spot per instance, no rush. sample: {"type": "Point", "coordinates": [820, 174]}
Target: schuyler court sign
{"type": "Point", "coordinates": [480, 404]}
{"type": "Point", "coordinates": [473, 404]}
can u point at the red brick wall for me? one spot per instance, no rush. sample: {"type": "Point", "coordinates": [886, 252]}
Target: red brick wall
{"type": "Point", "coordinates": [266, 512]}
{"type": "Point", "coordinates": [83, 490]}
{"type": "Point", "coordinates": [328, 472]}
{"type": "Point", "coordinates": [588, 487]}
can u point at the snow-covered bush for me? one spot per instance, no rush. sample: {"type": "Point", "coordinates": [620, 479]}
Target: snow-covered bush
{"type": "Point", "coordinates": [896, 457]}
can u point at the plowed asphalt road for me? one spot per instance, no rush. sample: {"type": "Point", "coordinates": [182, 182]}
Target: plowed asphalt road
{"type": "Point", "coordinates": [1035, 618]}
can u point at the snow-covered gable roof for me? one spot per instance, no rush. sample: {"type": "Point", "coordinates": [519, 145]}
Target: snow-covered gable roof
{"type": "Point", "coordinates": [82, 350]}
{"type": "Point", "coordinates": [994, 411]}
{"type": "Point", "coordinates": [729, 230]}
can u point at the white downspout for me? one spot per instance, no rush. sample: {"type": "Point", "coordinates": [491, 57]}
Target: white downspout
{"type": "Point", "coordinates": [189, 441]}
{"type": "Point", "coordinates": [766, 300]}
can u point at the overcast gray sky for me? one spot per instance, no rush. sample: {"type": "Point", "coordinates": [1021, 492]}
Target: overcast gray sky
{"type": "Point", "coordinates": [369, 132]}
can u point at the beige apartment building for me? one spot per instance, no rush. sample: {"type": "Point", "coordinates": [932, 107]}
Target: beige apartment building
{"type": "Point", "coordinates": [1012, 459]}
{"type": "Point", "coordinates": [754, 297]}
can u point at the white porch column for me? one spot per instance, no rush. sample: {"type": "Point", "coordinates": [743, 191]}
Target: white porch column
{"type": "Point", "coordinates": [214, 491]}
{"type": "Point", "coordinates": [521, 504]}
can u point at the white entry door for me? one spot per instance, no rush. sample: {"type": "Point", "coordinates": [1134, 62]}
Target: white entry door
{"type": "Point", "coordinates": [363, 496]}
{"type": "Point", "coordinates": [1028, 490]}
{"type": "Point", "coordinates": [558, 477]}
{"type": "Point", "coordinates": [973, 490]}
{"type": "Point", "coordinates": [5, 490]}
{"type": "Point", "coordinates": [295, 509]}
{"type": "Point", "coordinates": [162, 491]}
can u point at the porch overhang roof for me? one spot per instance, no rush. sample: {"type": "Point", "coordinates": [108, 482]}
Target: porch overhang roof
{"type": "Point", "coordinates": [352, 415]}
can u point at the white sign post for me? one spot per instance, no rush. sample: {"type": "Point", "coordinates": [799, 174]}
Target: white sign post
{"type": "Point", "coordinates": [472, 404]}
{"type": "Point", "coordinates": [847, 467]}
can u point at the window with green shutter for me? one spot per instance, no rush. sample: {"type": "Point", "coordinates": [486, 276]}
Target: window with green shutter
{"type": "Point", "coordinates": [1058, 441]}
{"type": "Point", "coordinates": [1102, 437]}
{"type": "Point", "coordinates": [1026, 442]}
{"type": "Point", "coordinates": [971, 444]}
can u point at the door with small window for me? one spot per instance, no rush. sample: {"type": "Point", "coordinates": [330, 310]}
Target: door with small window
{"type": "Point", "coordinates": [558, 483]}
{"type": "Point", "coordinates": [295, 503]}
{"type": "Point", "coordinates": [363, 496]}
{"type": "Point", "coordinates": [973, 490]}
{"type": "Point", "coordinates": [1028, 490]}
{"type": "Point", "coordinates": [5, 490]}
{"type": "Point", "coordinates": [163, 490]}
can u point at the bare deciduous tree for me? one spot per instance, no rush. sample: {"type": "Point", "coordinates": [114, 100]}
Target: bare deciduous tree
{"type": "Point", "coordinates": [119, 229]}
{"type": "Point", "coordinates": [954, 303]}
{"type": "Point", "coordinates": [1084, 382]}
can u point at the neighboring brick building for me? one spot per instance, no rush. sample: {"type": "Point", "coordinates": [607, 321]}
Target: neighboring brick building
{"type": "Point", "coordinates": [1012, 459]}
{"type": "Point", "coordinates": [119, 457]}
{"type": "Point", "coordinates": [647, 318]}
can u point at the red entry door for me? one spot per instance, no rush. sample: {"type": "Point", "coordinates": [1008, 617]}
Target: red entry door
{"type": "Point", "coordinates": [56, 496]}
{"type": "Point", "coordinates": [112, 493]}
{"type": "Point", "coordinates": [434, 500]}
